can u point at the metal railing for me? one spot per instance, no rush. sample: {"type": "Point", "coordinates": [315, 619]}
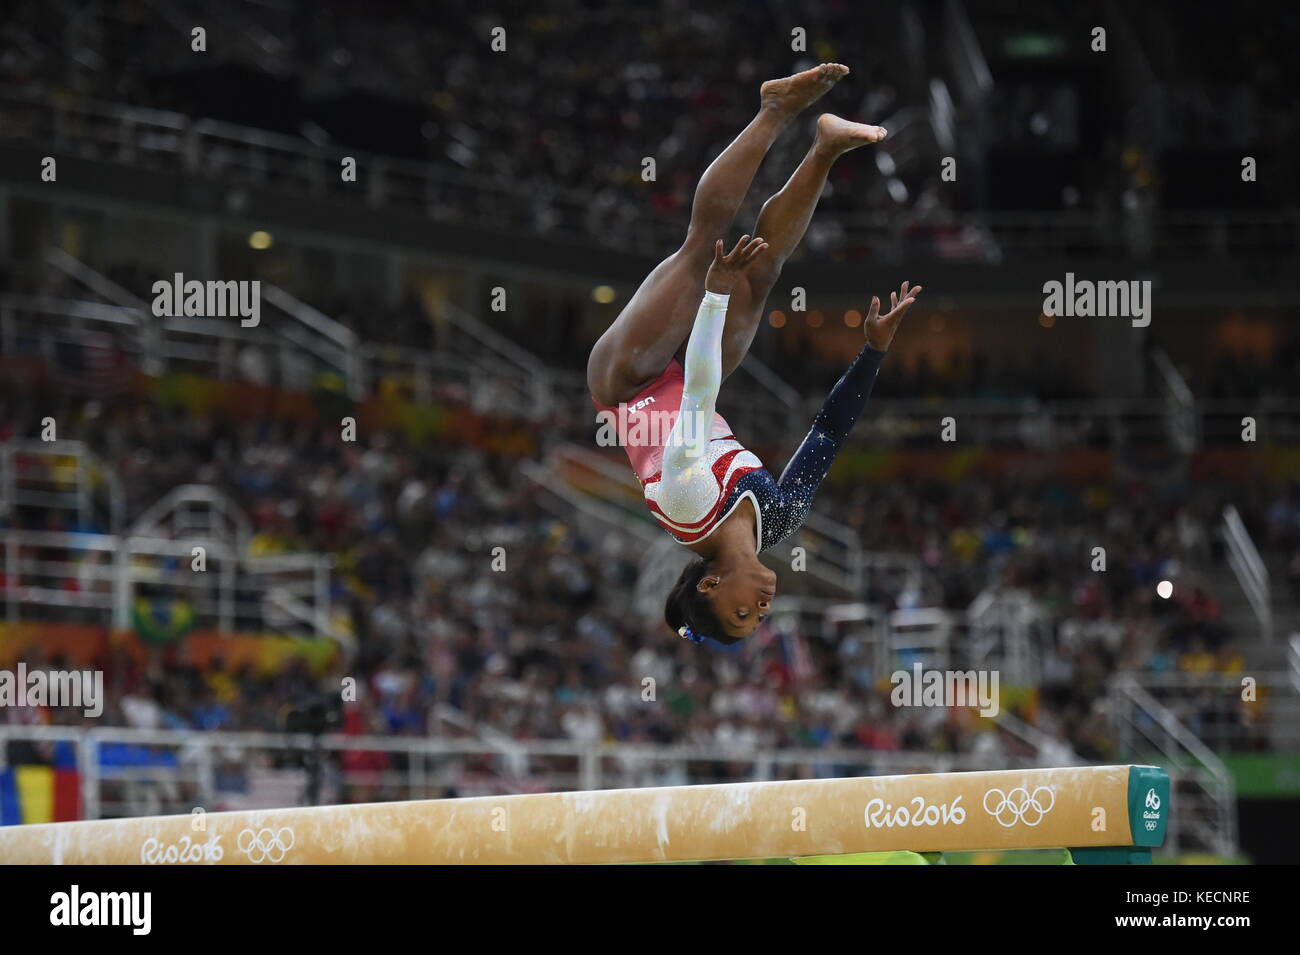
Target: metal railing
{"type": "Point", "coordinates": [1204, 815]}
{"type": "Point", "coordinates": [495, 357]}
{"type": "Point", "coordinates": [60, 476]}
{"type": "Point", "coordinates": [331, 343]}
{"type": "Point", "coordinates": [768, 402]}
{"type": "Point", "coordinates": [1035, 424]}
{"type": "Point", "coordinates": [481, 365]}
{"type": "Point", "coordinates": [158, 139]}
{"type": "Point", "coordinates": [827, 551]}
{"type": "Point", "coordinates": [1293, 660]}
{"type": "Point", "coordinates": [231, 592]}
{"type": "Point", "coordinates": [1008, 628]}
{"type": "Point", "coordinates": [1249, 568]}
{"type": "Point", "coordinates": [198, 511]}
{"type": "Point", "coordinates": [1217, 709]}
{"type": "Point", "coordinates": [126, 772]}
{"type": "Point", "coordinates": [477, 365]}
{"type": "Point", "coordinates": [1180, 404]}
{"type": "Point", "coordinates": [305, 338]}
{"type": "Point", "coordinates": [582, 504]}
{"type": "Point", "coordinates": [288, 353]}
{"type": "Point", "coordinates": [102, 575]}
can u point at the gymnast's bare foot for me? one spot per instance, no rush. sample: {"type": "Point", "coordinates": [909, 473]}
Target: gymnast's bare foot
{"type": "Point", "coordinates": [793, 94]}
{"type": "Point", "coordinates": [836, 135]}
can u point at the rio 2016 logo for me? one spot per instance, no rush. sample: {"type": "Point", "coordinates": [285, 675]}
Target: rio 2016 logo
{"type": "Point", "coordinates": [1151, 816]}
{"type": "Point", "coordinates": [156, 852]}
{"type": "Point", "coordinates": [882, 815]}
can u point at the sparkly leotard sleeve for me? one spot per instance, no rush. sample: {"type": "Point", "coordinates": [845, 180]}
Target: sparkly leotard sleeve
{"type": "Point", "coordinates": [783, 505]}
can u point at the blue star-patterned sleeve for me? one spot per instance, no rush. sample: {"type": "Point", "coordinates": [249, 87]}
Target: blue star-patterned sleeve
{"type": "Point", "coordinates": [784, 504]}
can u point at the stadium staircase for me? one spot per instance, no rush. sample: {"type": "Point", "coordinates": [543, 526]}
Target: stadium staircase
{"type": "Point", "coordinates": [1203, 817]}
{"type": "Point", "coordinates": [1264, 619]}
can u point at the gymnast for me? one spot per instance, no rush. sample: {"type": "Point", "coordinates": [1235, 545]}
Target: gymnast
{"type": "Point", "coordinates": [669, 351]}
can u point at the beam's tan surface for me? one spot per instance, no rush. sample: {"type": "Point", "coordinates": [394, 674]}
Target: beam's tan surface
{"type": "Point", "coordinates": [1035, 809]}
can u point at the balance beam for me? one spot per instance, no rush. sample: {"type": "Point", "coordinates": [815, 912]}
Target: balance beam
{"type": "Point", "coordinates": [1119, 808]}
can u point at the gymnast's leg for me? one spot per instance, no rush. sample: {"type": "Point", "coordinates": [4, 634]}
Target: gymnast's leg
{"type": "Point", "coordinates": [782, 223]}
{"type": "Point", "coordinates": [657, 320]}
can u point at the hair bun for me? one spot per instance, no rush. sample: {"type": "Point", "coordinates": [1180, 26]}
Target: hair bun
{"type": "Point", "coordinates": [687, 633]}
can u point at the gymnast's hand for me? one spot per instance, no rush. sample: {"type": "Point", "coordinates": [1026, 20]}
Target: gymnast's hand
{"type": "Point", "coordinates": [727, 268]}
{"type": "Point", "coordinates": [880, 328]}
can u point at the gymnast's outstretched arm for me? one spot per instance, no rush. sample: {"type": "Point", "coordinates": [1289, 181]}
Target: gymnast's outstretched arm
{"type": "Point", "coordinates": [809, 465]}
{"type": "Point", "coordinates": [685, 467]}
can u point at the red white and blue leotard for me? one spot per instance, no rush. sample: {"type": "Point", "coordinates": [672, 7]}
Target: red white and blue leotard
{"type": "Point", "coordinates": [693, 471]}
{"type": "Point", "coordinates": [644, 425]}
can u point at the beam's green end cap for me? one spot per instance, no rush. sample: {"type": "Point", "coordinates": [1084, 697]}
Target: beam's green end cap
{"type": "Point", "coordinates": [1148, 804]}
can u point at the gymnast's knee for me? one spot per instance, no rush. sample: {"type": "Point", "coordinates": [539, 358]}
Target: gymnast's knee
{"type": "Point", "coordinates": [611, 382]}
{"type": "Point", "coordinates": [603, 393]}
{"type": "Point", "coordinates": [598, 378]}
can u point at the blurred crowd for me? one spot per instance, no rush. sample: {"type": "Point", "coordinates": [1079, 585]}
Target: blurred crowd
{"type": "Point", "coordinates": [535, 640]}
{"type": "Point", "coordinates": [1247, 374]}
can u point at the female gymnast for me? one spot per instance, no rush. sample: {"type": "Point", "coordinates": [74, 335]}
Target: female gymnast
{"type": "Point", "coordinates": [700, 483]}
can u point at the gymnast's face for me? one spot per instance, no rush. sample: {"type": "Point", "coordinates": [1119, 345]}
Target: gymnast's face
{"type": "Point", "coordinates": [741, 597]}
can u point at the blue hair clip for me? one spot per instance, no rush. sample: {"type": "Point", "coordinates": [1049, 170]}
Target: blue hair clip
{"type": "Point", "coordinates": [688, 634]}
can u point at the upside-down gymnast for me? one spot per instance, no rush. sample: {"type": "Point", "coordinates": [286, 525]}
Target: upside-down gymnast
{"type": "Point", "coordinates": [700, 483]}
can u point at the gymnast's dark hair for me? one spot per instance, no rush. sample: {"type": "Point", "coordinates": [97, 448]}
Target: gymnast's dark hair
{"type": "Point", "coordinates": [687, 608]}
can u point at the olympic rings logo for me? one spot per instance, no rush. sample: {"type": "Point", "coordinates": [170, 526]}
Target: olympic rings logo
{"type": "Point", "coordinates": [265, 845]}
{"type": "Point", "coordinates": [1019, 805]}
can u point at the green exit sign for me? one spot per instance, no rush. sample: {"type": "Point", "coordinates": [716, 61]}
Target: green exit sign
{"type": "Point", "coordinates": [1033, 46]}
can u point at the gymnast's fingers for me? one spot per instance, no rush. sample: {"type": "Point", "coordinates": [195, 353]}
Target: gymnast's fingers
{"type": "Point", "coordinates": [736, 252]}
{"type": "Point", "coordinates": [753, 249]}
{"type": "Point", "coordinates": [901, 309]}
